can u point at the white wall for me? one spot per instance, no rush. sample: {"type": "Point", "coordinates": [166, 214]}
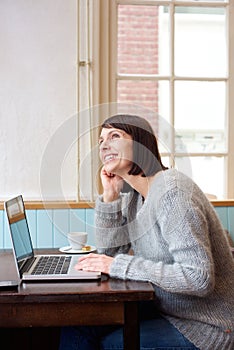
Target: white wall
{"type": "Point", "coordinates": [38, 90]}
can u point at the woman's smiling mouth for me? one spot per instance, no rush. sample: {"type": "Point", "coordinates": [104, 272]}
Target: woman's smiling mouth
{"type": "Point", "coordinates": [109, 157]}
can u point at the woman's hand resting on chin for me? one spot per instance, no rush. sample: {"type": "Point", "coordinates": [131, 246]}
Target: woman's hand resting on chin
{"type": "Point", "coordinates": [112, 185]}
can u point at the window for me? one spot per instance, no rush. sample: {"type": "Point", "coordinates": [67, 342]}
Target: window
{"type": "Point", "coordinates": [65, 66]}
{"type": "Point", "coordinates": [173, 61]}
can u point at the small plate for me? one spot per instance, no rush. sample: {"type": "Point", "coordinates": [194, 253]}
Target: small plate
{"type": "Point", "coordinates": [68, 250]}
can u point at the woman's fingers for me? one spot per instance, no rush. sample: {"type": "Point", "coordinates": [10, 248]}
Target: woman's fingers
{"type": "Point", "coordinates": [95, 262]}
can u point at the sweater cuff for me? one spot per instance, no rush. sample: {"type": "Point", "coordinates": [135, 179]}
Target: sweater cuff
{"type": "Point", "coordinates": [107, 210]}
{"type": "Point", "coordinates": [119, 266]}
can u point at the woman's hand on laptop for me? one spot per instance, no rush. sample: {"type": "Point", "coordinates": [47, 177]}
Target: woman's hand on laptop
{"type": "Point", "coordinates": [95, 262]}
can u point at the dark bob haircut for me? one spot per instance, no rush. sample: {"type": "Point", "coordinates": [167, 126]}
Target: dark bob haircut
{"type": "Point", "coordinates": [146, 156]}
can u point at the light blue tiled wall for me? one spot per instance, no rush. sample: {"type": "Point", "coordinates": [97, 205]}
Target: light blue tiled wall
{"type": "Point", "coordinates": [226, 215]}
{"type": "Point", "coordinates": [49, 227]}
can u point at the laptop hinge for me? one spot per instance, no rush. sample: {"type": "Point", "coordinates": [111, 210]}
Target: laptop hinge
{"type": "Point", "coordinates": [26, 265]}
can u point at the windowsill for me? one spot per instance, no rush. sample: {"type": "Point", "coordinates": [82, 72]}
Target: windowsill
{"type": "Point", "coordinates": [55, 205]}
{"type": "Point", "coordinates": [33, 205]}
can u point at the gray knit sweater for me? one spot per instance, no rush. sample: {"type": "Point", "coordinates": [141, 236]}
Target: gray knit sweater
{"type": "Point", "coordinates": [180, 247]}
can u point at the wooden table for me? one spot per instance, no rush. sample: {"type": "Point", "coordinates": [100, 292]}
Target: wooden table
{"type": "Point", "coordinates": [53, 305]}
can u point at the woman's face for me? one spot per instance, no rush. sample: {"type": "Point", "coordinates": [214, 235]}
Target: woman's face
{"type": "Point", "coordinates": [116, 150]}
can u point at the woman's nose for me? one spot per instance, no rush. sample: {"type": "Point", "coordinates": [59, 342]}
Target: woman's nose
{"type": "Point", "coordinates": [105, 144]}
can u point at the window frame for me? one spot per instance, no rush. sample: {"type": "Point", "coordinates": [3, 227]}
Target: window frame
{"type": "Point", "coordinates": [229, 79]}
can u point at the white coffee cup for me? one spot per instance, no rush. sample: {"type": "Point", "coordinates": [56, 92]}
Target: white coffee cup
{"type": "Point", "coordinates": [77, 240]}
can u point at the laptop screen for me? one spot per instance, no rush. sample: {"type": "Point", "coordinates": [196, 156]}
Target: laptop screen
{"type": "Point", "coordinates": [19, 228]}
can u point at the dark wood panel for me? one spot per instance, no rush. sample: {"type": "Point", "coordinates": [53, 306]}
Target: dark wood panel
{"type": "Point", "coordinates": [60, 314]}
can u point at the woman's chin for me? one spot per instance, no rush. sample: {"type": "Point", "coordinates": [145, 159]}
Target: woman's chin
{"type": "Point", "coordinates": [110, 166]}
{"type": "Point", "coordinates": [110, 170]}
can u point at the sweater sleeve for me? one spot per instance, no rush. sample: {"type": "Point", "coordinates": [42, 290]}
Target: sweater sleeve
{"type": "Point", "coordinates": [111, 227]}
{"type": "Point", "coordinates": [190, 268]}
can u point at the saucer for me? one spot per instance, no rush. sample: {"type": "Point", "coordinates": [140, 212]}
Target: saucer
{"type": "Point", "coordinates": [68, 250]}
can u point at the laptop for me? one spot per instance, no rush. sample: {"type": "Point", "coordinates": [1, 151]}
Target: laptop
{"type": "Point", "coordinates": [35, 267]}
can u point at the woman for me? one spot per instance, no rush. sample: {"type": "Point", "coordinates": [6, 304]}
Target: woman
{"type": "Point", "coordinates": [177, 241]}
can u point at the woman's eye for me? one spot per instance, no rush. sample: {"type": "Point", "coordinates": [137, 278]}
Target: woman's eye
{"type": "Point", "coordinates": [115, 136]}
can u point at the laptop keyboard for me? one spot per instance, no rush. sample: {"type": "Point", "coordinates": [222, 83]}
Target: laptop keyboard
{"type": "Point", "coordinates": [48, 265]}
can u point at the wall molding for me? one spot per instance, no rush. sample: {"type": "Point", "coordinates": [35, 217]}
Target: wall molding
{"type": "Point", "coordinates": [88, 205]}
{"type": "Point", "coordinates": [55, 205]}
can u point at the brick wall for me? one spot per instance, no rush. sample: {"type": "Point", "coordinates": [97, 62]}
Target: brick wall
{"type": "Point", "coordinates": [138, 54]}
